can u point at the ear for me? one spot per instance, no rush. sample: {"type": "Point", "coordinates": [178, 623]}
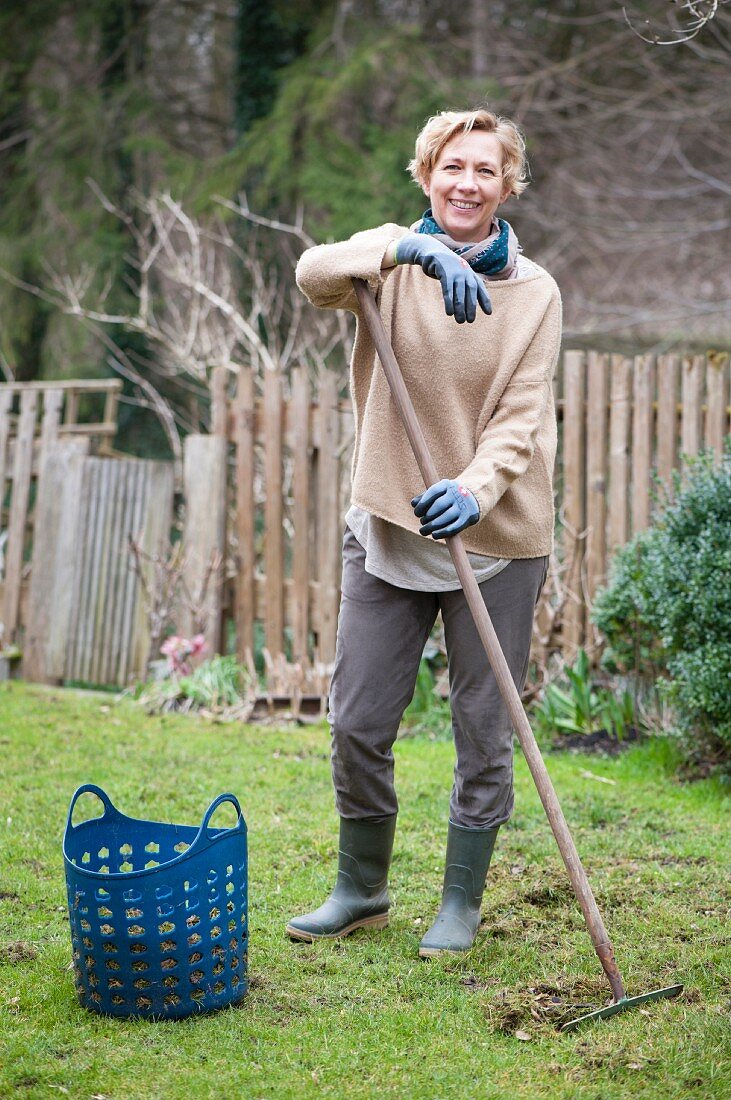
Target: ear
{"type": "Point", "coordinates": [426, 186]}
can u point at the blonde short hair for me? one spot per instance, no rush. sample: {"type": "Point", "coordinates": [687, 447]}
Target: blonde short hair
{"type": "Point", "coordinates": [441, 128]}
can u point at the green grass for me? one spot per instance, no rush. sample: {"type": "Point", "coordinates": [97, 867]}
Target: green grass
{"type": "Point", "coordinates": [364, 1017]}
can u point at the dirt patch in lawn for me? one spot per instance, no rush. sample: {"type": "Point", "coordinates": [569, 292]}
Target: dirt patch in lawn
{"type": "Point", "coordinates": [16, 952]}
{"type": "Point", "coordinates": [599, 741]}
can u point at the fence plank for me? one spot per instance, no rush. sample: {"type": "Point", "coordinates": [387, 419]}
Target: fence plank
{"type": "Point", "coordinates": [716, 401]}
{"type": "Point", "coordinates": [573, 500]}
{"type": "Point", "coordinates": [52, 402]}
{"type": "Point", "coordinates": [329, 520]}
{"type": "Point", "coordinates": [244, 414]}
{"type": "Point", "coordinates": [596, 487]}
{"type": "Point", "coordinates": [620, 415]}
{"type": "Point", "coordinates": [152, 531]}
{"type": "Point", "coordinates": [642, 424]}
{"type": "Point", "coordinates": [300, 409]}
{"type": "Point", "coordinates": [204, 534]}
{"type": "Point", "coordinates": [273, 509]}
{"type": "Point", "coordinates": [6, 399]}
{"type": "Point", "coordinates": [55, 531]}
{"type": "Point", "coordinates": [667, 416]}
{"type": "Point", "coordinates": [22, 467]}
{"type": "Point", "coordinates": [692, 390]}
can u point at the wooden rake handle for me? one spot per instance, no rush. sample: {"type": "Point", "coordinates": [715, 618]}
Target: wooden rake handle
{"type": "Point", "coordinates": [495, 655]}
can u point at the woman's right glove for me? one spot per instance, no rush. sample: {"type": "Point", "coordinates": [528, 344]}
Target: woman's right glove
{"type": "Point", "coordinates": [461, 287]}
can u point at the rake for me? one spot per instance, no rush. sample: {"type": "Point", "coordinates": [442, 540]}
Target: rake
{"type": "Point", "coordinates": [577, 874]}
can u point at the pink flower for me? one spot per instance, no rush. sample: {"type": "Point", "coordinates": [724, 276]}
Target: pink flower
{"type": "Point", "coordinates": [178, 650]}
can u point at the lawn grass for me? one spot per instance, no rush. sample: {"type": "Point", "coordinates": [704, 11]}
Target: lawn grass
{"type": "Point", "coordinates": [365, 1017]}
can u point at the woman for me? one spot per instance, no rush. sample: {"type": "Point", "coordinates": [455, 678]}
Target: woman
{"type": "Point", "coordinates": [476, 330]}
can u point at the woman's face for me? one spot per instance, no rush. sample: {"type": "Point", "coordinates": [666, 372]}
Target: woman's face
{"type": "Point", "coordinates": [466, 185]}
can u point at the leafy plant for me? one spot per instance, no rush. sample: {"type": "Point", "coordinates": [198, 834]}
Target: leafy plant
{"type": "Point", "coordinates": [220, 686]}
{"type": "Point", "coordinates": [578, 707]}
{"type": "Point", "coordinates": [667, 608]}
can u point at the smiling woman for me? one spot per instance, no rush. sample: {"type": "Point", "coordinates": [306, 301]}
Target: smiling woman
{"type": "Point", "coordinates": [482, 391]}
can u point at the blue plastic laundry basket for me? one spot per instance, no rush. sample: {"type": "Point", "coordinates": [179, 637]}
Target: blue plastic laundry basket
{"type": "Point", "coordinates": [159, 913]}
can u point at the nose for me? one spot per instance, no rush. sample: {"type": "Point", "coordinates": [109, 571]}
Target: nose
{"type": "Point", "coordinates": [467, 181]}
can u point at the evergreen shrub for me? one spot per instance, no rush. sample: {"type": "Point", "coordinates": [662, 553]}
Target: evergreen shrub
{"type": "Point", "coordinates": [666, 612]}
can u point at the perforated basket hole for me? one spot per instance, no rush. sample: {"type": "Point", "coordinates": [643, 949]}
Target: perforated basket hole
{"type": "Point", "coordinates": [163, 892]}
{"type": "Point", "coordinates": [88, 944]}
{"type": "Point", "coordinates": [197, 995]}
{"type": "Point", "coordinates": [126, 866]}
{"type": "Point", "coordinates": [103, 853]}
{"type": "Point", "coordinates": [165, 927]}
{"type": "Point", "coordinates": [130, 896]}
{"type": "Point", "coordinates": [86, 926]}
{"type": "Point", "coordinates": [172, 999]}
{"type": "Point", "coordinates": [192, 921]}
{"type": "Point", "coordinates": [112, 964]}
{"type": "Point", "coordinates": [195, 958]}
{"type": "Point", "coordinates": [110, 948]}
{"type": "Point", "coordinates": [115, 983]}
{"type": "Point", "coordinates": [235, 981]}
{"type": "Point", "coordinates": [196, 976]}
{"type": "Point", "coordinates": [230, 907]}
{"type": "Point", "coordinates": [218, 968]}
{"type": "Point", "coordinates": [143, 1002]}
{"type": "Point", "coordinates": [190, 887]}
{"type": "Point", "coordinates": [181, 846]}
{"type": "Point", "coordinates": [215, 913]}
{"type": "Point", "coordinates": [137, 948]}
{"type": "Point", "coordinates": [168, 945]}
{"type": "Point", "coordinates": [101, 894]}
{"type": "Point", "coordinates": [117, 1000]}
{"type": "Point", "coordinates": [215, 932]}
{"type": "Point", "coordinates": [218, 952]}
{"type": "Point", "coordinates": [219, 988]}
{"type": "Point", "coordinates": [194, 939]}
{"type": "Point", "coordinates": [212, 876]}
{"type": "Point", "coordinates": [132, 912]}
{"type": "Point", "coordinates": [141, 983]}
{"type": "Point", "coordinates": [104, 911]}
{"type": "Point", "coordinates": [229, 870]}
{"type": "Point", "coordinates": [126, 850]}
{"type": "Point", "coordinates": [152, 847]}
{"type": "Point", "coordinates": [140, 966]}
{"type": "Point", "coordinates": [105, 929]}
{"type": "Point", "coordinates": [230, 888]}
{"type": "Point", "coordinates": [136, 930]}
{"type": "Point", "coordinates": [170, 981]}
{"type": "Point", "coordinates": [168, 964]}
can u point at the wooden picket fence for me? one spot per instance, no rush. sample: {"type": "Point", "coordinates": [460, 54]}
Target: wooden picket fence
{"type": "Point", "coordinates": [625, 425]}
{"type": "Point", "coordinates": [69, 600]}
{"type": "Point", "coordinates": [621, 421]}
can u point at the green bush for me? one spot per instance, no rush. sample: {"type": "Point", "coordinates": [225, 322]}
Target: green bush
{"type": "Point", "coordinates": [666, 612]}
{"type": "Point", "coordinates": [579, 707]}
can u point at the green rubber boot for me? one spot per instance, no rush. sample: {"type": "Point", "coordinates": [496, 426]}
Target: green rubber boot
{"type": "Point", "coordinates": [360, 898]}
{"type": "Point", "coordinates": [468, 858]}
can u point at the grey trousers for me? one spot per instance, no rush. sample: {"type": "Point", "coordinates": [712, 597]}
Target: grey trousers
{"type": "Point", "coordinates": [382, 631]}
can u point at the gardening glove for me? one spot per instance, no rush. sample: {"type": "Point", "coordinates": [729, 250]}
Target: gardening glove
{"type": "Point", "coordinates": [461, 287]}
{"type": "Point", "coordinates": [445, 509]}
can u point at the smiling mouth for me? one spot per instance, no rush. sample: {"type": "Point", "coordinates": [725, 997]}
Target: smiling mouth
{"type": "Point", "coordinates": [464, 205]}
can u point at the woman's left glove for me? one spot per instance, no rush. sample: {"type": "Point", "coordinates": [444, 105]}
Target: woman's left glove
{"type": "Point", "coordinates": [445, 509]}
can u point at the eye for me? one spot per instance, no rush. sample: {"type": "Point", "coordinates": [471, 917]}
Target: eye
{"type": "Point", "coordinates": [487, 172]}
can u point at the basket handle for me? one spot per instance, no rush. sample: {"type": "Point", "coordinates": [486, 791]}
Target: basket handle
{"type": "Point", "coordinates": [212, 809]}
{"type": "Point", "coordinates": [90, 788]}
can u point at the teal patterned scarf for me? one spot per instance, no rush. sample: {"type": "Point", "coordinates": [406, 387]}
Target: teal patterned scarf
{"type": "Point", "coordinates": [494, 257]}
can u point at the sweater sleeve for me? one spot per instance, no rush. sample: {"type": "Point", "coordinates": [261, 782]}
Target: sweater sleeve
{"type": "Point", "coordinates": [507, 443]}
{"type": "Point", "coordinates": [324, 273]}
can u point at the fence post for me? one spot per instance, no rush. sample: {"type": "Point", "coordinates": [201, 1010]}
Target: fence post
{"type": "Point", "coordinates": [301, 518]}
{"type": "Point", "coordinates": [596, 487]}
{"type": "Point", "coordinates": [273, 511]}
{"type": "Point", "coordinates": [22, 468]}
{"type": "Point", "coordinates": [574, 423]}
{"type": "Point", "coordinates": [244, 428]}
{"type": "Point", "coordinates": [642, 423]}
{"type": "Point", "coordinates": [204, 534]}
{"type": "Point", "coordinates": [667, 417]}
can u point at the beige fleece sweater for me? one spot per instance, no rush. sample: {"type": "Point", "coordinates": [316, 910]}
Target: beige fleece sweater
{"type": "Point", "coordinates": [482, 392]}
